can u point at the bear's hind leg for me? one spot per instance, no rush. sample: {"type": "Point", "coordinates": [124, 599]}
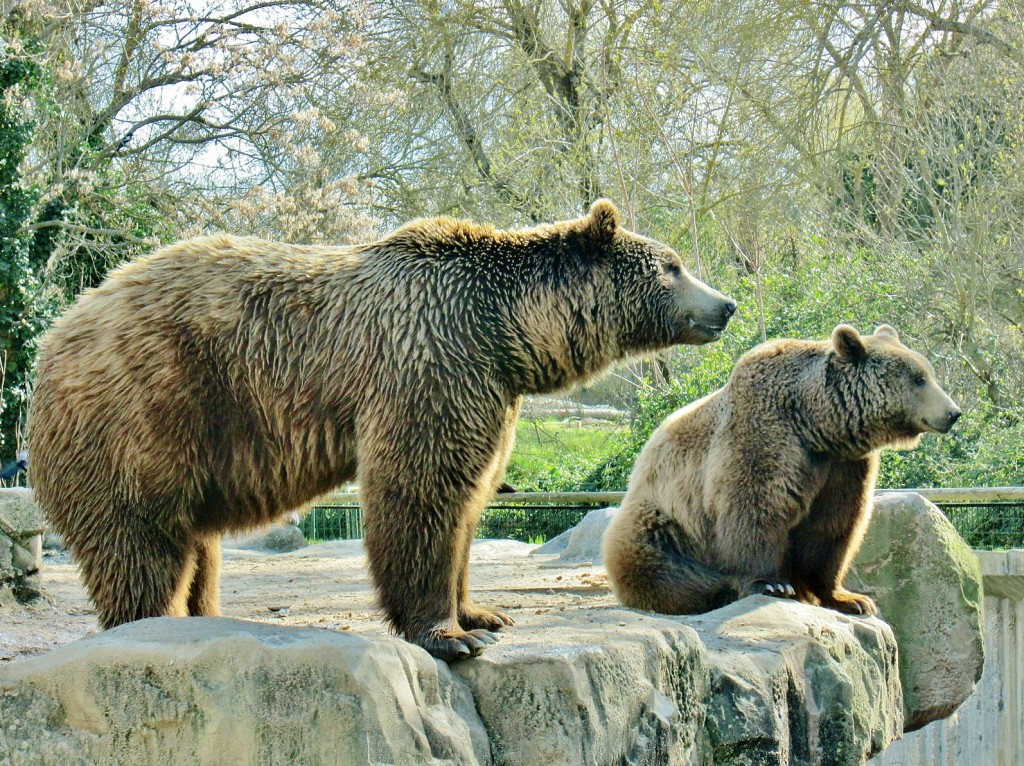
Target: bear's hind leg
{"type": "Point", "coordinates": [204, 593]}
{"type": "Point", "coordinates": [141, 571]}
{"type": "Point", "coordinates": [650, 567]}
{"type": "Point", "coordinates": [472, 616]}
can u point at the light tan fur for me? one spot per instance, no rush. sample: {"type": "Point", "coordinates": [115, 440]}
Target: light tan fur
{"type": "Point", "coordinates": [766, 485]}
{"type": "Point", "coordinates": [218, 383]}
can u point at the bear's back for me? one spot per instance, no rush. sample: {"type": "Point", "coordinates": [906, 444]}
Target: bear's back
{"type": "Point", "coordinates": [671, 466]}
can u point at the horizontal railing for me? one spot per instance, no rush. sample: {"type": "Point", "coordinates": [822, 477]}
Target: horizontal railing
{"type": "Point", "coordinates": [987, 517]}
{"type": "Point", "coordinates": [935, 495]}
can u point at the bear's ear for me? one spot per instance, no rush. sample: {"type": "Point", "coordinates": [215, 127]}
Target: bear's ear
{"type": "Point", "coordinates": [887, 331]}
{"type": "Point", "coordinates": [603, 219]}
{"type": "Point", "coordinates": [848, 343]}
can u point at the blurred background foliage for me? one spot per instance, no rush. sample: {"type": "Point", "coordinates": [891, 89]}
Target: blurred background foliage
{"type": "Point", "coordinates": [823, 162]}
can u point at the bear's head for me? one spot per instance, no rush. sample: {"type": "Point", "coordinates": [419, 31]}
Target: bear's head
{"type": "Point", "coordinates": [893, 387]}
{"type": "Point", "coordinates": [659, 303]}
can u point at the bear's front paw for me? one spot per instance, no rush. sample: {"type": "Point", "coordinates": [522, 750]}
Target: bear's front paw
{"type": "Point", "coordinates": [472, 617]}
{"type": "Point", "coordinates": [450, 645]}
{"type": "Point", "coordinates": [848, 602]}
{"type": "Point", "coordinates": [774, 588]}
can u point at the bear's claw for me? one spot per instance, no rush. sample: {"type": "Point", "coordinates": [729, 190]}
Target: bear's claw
{"type": "Point", "coordinates": [774, 588]}
{"type": "Point", "coordinates": [473, 617]}
{"type": "Point", "coordinates": [848, 602]}
{"type": "Point", "coordinates": [452, 645]}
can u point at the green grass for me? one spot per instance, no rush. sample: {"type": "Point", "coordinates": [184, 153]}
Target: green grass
{"type": "Point", "coordinates": [558, 455]}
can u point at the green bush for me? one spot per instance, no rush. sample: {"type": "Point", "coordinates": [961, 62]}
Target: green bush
{"type": "Point", "coordinates": [556, 456]}
{"type": "Point", "coordinates": [985, 449]}
{"type": "Point", "coordinates": [709, 372]}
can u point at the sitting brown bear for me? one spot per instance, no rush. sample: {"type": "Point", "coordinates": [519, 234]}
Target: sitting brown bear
{"type": "Point", "coordinates": [766, 485]}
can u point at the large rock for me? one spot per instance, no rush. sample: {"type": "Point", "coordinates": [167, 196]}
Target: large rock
{"type": "Point", "coordinates": [795, 684]}
{"type": "Point", "coordinates": [620, 689]}
{"type": "Point", "coordinates": [759, 682]}
{"type": "Point", "coordinates": [583, 544]}
{"type": "Point", "coordinates": [215, 691]}
{"type": "Point", "coordinates": [21, 553]}
{"type": "Point", "coordinates": [927, 583]}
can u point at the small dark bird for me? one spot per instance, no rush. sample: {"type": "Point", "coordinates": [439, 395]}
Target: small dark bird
{"type": "Point", "coordinates": [12, 469]}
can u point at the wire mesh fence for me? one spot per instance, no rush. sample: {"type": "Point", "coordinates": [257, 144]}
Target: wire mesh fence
{"type": "Point", "coordinates": [982, 525]}
{"type": "Point", "coordinates": [530, 523]}
{"type": "Point", "coordinates": [988, 525]}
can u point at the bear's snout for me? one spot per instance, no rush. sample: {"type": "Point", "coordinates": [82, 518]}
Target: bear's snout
{"type": "Point", "coordinates": [725, 312]}
{"type": "Point", "coordinates": [704, 314]}
{"type": "Point", "coordinates": [942, 424]}
{"type": "Point", "coordinates": [716, 314]}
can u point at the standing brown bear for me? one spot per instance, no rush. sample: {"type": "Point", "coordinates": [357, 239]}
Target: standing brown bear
{"type": "Point", "coordinates": [766, 485]}
{"type": "Point", "coordinates": [218, 383]}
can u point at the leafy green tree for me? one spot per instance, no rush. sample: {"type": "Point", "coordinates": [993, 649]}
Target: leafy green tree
{"type": "Point", "coordinates": [21, 319]}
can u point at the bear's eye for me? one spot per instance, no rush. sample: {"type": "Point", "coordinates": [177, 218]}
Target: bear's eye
{"type": "Point", "coordinates": [673, 270]}
{"type": "Point", "coordinates": [919, 380]}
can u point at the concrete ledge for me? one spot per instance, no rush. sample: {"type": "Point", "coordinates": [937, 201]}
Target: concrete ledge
{"type": "Point", "coordinates": [1002, 573]}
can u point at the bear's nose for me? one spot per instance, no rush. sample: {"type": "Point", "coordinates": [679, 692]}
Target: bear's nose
{"type": "Point", "coordinates": [729, 309]}
{"type": "Point", "coordinates": [954, 415]}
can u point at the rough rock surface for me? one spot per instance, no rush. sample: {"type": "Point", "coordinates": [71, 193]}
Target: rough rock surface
{"type": "Point", "coordinates": [759, 682]}
{"type": "Point", "coordinates": [209, 690]}
{"type": "Point", "coordinates": [584, 541]}
{"type": "Point", "coordinates": [792, 684]}
{"type": "Point", "coordinates": [282, 538]}
{"type": "Point", "coordinates": [927, 583]}
{"type": "Point", "coordinates": [21, 528]}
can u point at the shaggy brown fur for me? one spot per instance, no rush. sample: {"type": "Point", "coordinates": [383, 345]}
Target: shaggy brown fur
{"type": "Point", "coordinates": [766, 485]}
{"type": "Point", "coordinates": [220, 382]}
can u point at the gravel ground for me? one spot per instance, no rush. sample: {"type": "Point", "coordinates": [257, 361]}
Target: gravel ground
{"type": "Point", "coordinates": [324, 585]}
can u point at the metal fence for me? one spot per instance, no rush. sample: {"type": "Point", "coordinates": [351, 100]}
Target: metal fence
{"type": "Point", "coordinates": [535, 523]}
{"type": "Point", "coordinates": [529, 522]}
{"type": "Point", "coordinates": [988, 525]}
{"type": "Point", "coordinates": [333, 522]}
{"type": "Point", "coordinates": [987, 517]}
